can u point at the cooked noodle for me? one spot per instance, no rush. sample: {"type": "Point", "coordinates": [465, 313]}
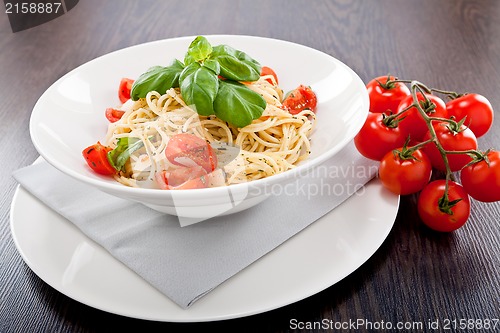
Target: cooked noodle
{"type": "Point", "coordinates": [272, 144]}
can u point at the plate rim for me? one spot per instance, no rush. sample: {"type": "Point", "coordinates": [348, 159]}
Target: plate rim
{"type": "Point", "coordinates": [186, 317]}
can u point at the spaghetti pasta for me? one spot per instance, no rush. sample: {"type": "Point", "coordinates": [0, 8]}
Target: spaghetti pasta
{"type": "Point", "coordinates": [271, 144]}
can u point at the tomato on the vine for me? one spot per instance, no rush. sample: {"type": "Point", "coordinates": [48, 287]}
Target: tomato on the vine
{"type": "Point", "coordinates": [451, 139]}
{"type": "Point", "coordinates": [442, 214]}
{"type": "Point", "coordinates": [476, 108]}
{"type": "Point", "coordinates": [405, 172]}
{"type": "Point", "coordinates": [385, 96]}
{"type": "Point", "coordinates": [412, 121]}
{"type": "Point", "coordinates": [378, 136]}
{"type": "Point", "coordinates": [482, 179]}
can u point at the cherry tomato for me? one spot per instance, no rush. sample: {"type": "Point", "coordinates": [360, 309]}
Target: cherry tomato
{"type": "Point", "coordinates": [376, 138]}
{"type": "Point", "coordinates": [413, 122]}
{"type": "Point", "coordinates": [476, 108]}
{"type": "Point", "coordinates": [183, 178]}
{"type": "Point", "coordinates": [113, 115]}
{"type": "Point", "coordinates": [124, 89]}
{"type": "Point", "coordinates": [482, 180]}
{"type": "Point", "coordinates": [450, 140]}
{"type": "Point", "coordinates": [440, 215]}
{"type": "Point", "coordinates": [403, 174]}
{"type": "Point", "coordinates": [264, 71]}
{"type": "Point", "coordinates": [299, 99]}
{"type": "Point", "coordinates": [97, 158]}
{"type": "Point", "coordinates": [386, 97]}
{"type": "Point", "coordinates": [189, 150]}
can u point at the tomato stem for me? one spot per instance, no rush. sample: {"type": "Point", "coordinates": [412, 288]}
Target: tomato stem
{"type": "Point", "coordinates": [422, 88]}
{"type": "Point", "coordinates": [478, 156]}
{"type": "Point", "coordinates": [446, 120]}
{"type": "Point", "coordinates": [391, 120]}
{"type": "Point", "coordinates": [406, 153]}
{"type": "Point", "coordinates": [415, 85]}
{"type": "Point", "coordinates": [450, 94]}
{"type": "Point", "coordinates": [404, 110]}
{"type": "Point", "coordinates": [389, 84]}
{"type": "Point", "coordinates": [421, 144]}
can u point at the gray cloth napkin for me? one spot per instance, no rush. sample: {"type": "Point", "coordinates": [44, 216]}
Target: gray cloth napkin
{"type": "Point", "coordinates": [186, 263]}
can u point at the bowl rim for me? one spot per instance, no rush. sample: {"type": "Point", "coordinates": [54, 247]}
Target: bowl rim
{"type": "Point", "coordinates": [121, 190]}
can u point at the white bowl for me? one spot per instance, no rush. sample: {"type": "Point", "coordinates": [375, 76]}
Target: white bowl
{"type": "Point", "coordinates": [69, 116]}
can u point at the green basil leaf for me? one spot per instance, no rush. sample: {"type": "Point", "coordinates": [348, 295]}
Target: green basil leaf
{"type": "Point", "coordinates": [236, 70]}
{"type": "Point", "coordinates": [125, 147]}
{"type": "Point", "coordinates": [188, 60]}
{"type": "Point", "coordinates": [188, 70]}
{"type": "Point", "coordinates": [158, 79]}
{"type": "Point", "coordinates": [223, 50]}
{"type": "Point", "coordinates": [198, 50]}
{"type": "Point", "coordinates": [248, 60]}
{"type": "Point", "coordinates": [213, 65]}
{"type": "Point", "coordinates": [199, 86]}
{"type": "Point", "coordinates": [237, 104]}
{"type": "Point", "coordinates": [236, 65]}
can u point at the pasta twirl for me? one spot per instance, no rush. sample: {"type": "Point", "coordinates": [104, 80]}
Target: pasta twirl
{"type": "Point", "coordinates": [271, 144]}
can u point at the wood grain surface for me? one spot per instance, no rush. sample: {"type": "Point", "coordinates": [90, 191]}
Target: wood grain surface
{"type": "Point", "coordinates": [416, 276]}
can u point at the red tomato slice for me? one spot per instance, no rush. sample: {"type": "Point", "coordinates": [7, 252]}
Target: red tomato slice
{"type": "Point", "coordinates": [189, 150]}
{"type": "Point", "coordinates": [113, 115]}
{"type": "Point", "coordinates": [269, 71]}
{"type": "Point", "coordinates": [183, 178]}
{"type": "Point", "coordinates": [97, 159]}
{"type": "Point", "coordinates": [300, 99]}
{"type": "Point", "coordinates": [124, 89]}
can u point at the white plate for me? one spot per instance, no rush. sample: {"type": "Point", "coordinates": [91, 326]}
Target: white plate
{"type": "Point", "coordinates": [316, 258]}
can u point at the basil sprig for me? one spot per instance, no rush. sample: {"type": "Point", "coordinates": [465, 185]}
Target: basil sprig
{"type": "Point", "coordinates": [209, 79]}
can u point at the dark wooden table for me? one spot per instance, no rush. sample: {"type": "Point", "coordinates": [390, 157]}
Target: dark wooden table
{"type": "Point", "coordinates": [416, 276]}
